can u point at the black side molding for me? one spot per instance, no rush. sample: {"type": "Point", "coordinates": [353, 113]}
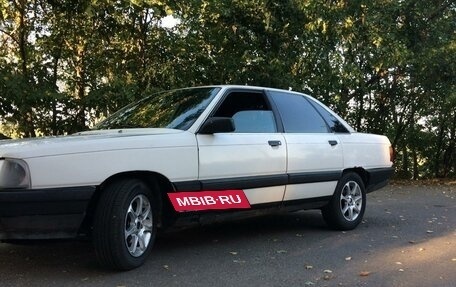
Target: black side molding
{"type": "Point", "coordinates": [245, 182]}
{"type": "Point", "coordinates": [192, 185]}
{"type": "Point", "coordinates": [257, 181]}
{"type": "Point", "coordinates": [310, 177]}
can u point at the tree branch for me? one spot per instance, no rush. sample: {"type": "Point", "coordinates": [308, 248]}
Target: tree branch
{"type": "Point", "coordinates": [9, 35]}
{"type": "Point", "coordinates": [439, 10]}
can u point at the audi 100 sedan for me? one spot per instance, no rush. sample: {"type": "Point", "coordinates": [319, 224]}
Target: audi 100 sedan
{"type": "Point", "coordinates": [178, 156]}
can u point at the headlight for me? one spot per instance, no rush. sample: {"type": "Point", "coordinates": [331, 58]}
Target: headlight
{"type": "Point", "coordinates": [14, 173]}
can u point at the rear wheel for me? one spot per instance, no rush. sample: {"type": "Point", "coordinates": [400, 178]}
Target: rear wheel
{"type": "Point", "coordinates": [346, 208]}
{"type": "Point", "coordinates": [124, 224]}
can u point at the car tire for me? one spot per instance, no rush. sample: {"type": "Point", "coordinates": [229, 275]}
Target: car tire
{"type": "Point", "coordinates": [346, 209]}
{"type": "Point", "coordinates": [124, 227]}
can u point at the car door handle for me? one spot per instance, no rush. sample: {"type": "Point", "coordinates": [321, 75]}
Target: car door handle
{"type": "Point", "coordinates": [332, 142]}
{"type": "Point", "coordinates": [274, 143]}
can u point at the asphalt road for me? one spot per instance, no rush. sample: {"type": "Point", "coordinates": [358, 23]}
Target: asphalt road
{"type": "Point", "coordinates": [408, 238]}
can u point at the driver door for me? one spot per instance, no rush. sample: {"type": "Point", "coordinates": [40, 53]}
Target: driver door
{"type": "Point", "coordinates": [252, 158]}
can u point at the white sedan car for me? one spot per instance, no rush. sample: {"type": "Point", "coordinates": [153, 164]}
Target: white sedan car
{"type": "Point", "coordinates": [184, 155]}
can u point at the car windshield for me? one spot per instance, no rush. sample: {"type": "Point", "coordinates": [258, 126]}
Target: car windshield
{"type": "Point", "coordinates": [176, 109]}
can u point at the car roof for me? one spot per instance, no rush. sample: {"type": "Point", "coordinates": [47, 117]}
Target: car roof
{"type": "Point", "coordinates": [251, 88]}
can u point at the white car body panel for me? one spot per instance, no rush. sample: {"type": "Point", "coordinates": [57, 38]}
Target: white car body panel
{"type": "Point", "coordinates": [312, 153]}
{"type": "Point", "coordinates": [231, 155]}
{"type": "Point", "coordinates": [365, 150]}
{"type": "Point", "coordinates": [309, 190]}
{"type": "Point", "coordinates": [264, 195]}
{"type": "Point", "coordinates": [227, 155]}
{"type": "Point", "coordinates": [91, 159]}
{"type": "Point", "coordinates": [83, 142]}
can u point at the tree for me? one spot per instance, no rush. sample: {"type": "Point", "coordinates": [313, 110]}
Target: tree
{"type": "Point", "coordinates": [388, 67]}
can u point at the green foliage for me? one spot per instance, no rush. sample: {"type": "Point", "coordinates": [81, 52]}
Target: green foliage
{"type": "Point", "coordinates": [388, 67]}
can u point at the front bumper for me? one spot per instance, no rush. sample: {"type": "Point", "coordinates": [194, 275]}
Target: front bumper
{"type": "Point", "coordinates": [43, 213]}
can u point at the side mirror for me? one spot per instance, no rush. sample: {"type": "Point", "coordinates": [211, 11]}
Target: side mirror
{"type": "Point", "coordinates": [217, 125]}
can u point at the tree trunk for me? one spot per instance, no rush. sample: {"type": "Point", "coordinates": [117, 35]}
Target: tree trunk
{"type": "Point", "coordinates": [438, 148]}
{"type": "Point", "coordinates": [416, 171]}
{"type": "Point", "coordinates": [25, 120]}
{"type": "Point", "coordinates": [449, 155]}
{"type": "Point", "coordinates": [405, 161]}
{"type": "Point", "coordinates": [54, 127]}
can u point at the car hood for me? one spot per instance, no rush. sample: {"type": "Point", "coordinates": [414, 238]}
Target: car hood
{"type": "Point", "coordinates": [83, 142]}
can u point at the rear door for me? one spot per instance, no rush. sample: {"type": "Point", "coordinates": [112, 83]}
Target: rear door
{"type": "Point", "coordinates": [315, 155]}
{"type": "Point", "coordinates": [253, 157]}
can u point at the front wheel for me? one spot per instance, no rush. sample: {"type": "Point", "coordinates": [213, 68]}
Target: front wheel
{"type": "Point", "coordinates": [346, 208]}
{"type": "Point", "coordinates": [124, 224]}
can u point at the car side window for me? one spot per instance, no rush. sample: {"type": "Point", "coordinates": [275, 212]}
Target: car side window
{"type": "Point", "coordinates": [250, 112]}
{"type": "Point", "coordinates": [334, 124]}
{"type": "Point", "coordinates": [298, 115]}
